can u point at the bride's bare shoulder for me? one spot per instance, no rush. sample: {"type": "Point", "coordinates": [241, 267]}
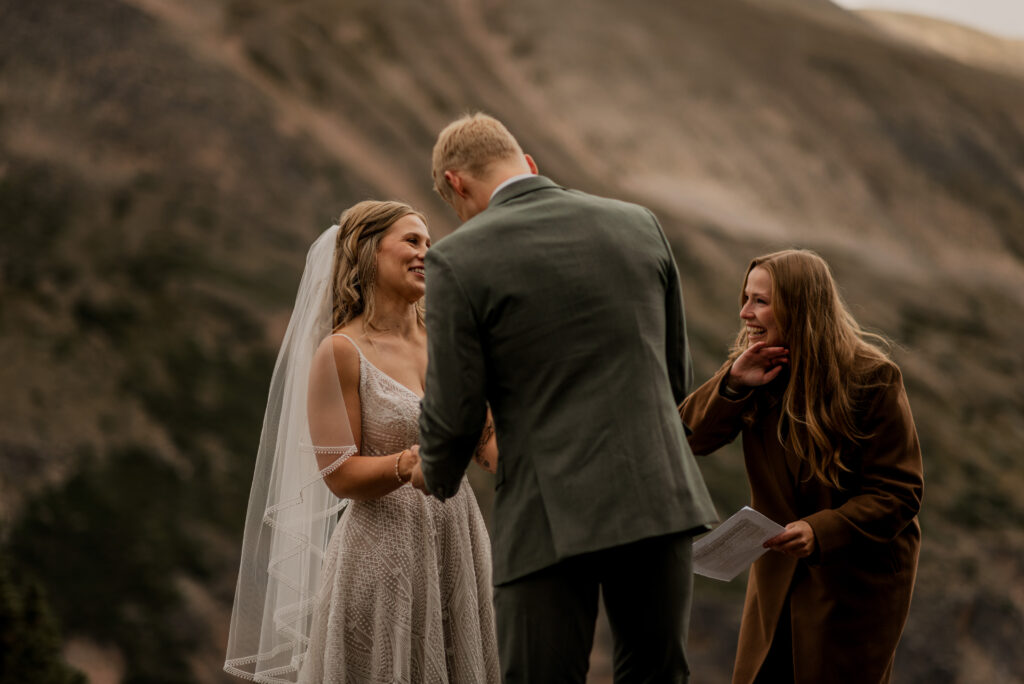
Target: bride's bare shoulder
{"type": "Point", "coordinates": [346, 354]}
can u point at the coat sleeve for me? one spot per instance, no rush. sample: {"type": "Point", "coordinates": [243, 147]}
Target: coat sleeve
{"type": "Point", "coordinates": [892, 481]}
{"type": "Point", "coordinates": [677, 348]}
{"type": "Point", "coordinates": [453, 408]}
{"type": "Point", "coordinates": [711, 419]}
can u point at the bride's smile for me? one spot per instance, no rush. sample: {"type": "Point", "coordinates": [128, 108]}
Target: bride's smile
{"type": "Point", "coordinates": [400, 258]}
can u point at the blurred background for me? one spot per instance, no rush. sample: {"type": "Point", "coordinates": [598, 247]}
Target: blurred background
{"type": "Point", "coordinates": [165, 164]}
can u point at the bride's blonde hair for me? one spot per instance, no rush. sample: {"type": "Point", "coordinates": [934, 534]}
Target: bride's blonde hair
{"type": "Point", "coordinates": [361, 228]}
{"type": "Point", "coordinates": [831, 359]}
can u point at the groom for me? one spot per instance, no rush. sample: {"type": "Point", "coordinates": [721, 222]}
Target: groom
{"type": "Point", "coordinates": [562, 311]}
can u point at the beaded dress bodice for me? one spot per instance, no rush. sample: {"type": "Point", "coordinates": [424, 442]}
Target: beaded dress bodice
{"type": "Point", "coordinates": [389, 412]}
{"type": "Point", "coordinates": [406, 595]}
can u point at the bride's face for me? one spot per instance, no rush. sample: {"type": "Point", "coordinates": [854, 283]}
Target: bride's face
{"type": "Point", "coordinates": [400, 258]}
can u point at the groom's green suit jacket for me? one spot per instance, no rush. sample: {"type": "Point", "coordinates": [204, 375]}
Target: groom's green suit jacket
{"type": "Point", "coordinates": [562, 311]}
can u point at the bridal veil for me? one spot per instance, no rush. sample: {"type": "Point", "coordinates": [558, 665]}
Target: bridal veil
{"type": "Point", "coordinates": [291, 512]}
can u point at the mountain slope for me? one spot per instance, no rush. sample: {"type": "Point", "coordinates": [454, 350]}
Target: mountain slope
{"type": "Point", "coordinates": [164, 165]}
{"type": "Point", "coordinates": [959, 42]}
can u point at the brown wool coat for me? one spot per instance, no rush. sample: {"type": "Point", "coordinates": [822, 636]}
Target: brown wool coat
{"type": "Point", "coordinates": [849, 600]}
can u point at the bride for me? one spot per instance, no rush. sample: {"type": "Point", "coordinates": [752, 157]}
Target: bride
{"type": "Point", "coordinates": [347, 573]}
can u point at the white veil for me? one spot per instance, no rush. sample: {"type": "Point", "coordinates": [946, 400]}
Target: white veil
{"type": "Point", "coordinates": [291, 511]}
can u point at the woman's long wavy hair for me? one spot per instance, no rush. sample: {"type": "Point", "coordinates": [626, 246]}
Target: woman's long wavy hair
{"type": "Point", "coordinates": [831, 359]}
{"type": "Point", "coordinates": [361, 228]}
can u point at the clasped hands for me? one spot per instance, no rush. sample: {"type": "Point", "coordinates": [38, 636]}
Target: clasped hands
{"type": "Point", "coordinates": [409, 469]}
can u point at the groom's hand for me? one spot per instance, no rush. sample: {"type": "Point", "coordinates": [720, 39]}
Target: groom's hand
{"type": "Point", "coordinates": [417, 472]}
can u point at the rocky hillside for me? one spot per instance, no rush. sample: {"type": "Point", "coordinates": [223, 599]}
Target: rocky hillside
{"type": "Point", "coordinates": [165, 163]}
{"type": "Point", "coordinates": [963, 44]}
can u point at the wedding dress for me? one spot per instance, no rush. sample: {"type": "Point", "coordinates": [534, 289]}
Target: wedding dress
{"type": "Point", "coordinates": [332, 591]}
{"type": "Point", "coordinates": [406, 581]}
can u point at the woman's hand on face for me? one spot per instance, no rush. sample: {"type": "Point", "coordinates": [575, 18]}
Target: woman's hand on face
{"type": "Point", "coordinates": [757, 366]}
{"type": "Point", "coordinates": [796, 540]}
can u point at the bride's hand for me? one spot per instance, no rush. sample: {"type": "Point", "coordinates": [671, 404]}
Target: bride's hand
{"type": "Point", "coordinates": [757, 366]}
{"type": "Point", "coordinates": [416, 475]}
{"type": "Point", "coordinates": [407, 461]}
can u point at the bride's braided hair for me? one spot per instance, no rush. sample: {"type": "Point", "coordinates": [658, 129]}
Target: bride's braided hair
{"type": "Point", "coordinates": [361, 228]}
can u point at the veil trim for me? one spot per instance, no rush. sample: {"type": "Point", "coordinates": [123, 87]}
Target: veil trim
{"type": "Point", "coordinates": [291, 513]}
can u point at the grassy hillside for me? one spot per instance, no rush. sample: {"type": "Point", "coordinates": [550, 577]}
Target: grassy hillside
{"type": "Point", "coordinates": [164, 164]}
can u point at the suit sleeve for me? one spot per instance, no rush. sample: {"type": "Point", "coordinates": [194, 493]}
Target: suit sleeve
{"type": "Point", "coordinates": [677, 349]}
{"type": "Point", "coordinates": [453, 408]}
{"type": "Point", "coordinates": [889, 496]}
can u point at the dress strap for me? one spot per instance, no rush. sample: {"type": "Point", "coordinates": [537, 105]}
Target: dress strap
{"type": "Point", "coordinates": [360, 351]}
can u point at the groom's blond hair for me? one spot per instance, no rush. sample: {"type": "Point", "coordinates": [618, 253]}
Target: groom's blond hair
{"type": "Point", "coordinates": [470, 144]}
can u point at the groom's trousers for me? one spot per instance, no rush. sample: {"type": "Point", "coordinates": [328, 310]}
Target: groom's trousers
{"type": "Point", "coordinates": [546, 619]}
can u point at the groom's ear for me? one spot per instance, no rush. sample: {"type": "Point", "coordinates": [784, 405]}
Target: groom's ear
{"type": "Point", "coordinates": [455, 182]}
{"type": "Point", "coordinates": [532, 164]}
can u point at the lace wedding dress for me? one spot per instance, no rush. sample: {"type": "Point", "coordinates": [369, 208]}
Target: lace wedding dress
{"type": "Point", "coordinates": [405, 594]}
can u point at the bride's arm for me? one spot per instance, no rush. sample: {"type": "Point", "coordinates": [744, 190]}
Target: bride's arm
{"type": "Point", "coordinates": [371, 477]}
{"type": "Point", "coordinates": [358, 477]}
{"type": "Point", "coordinates": [486, 454]}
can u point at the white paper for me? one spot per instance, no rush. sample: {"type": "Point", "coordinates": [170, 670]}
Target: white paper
{"type": "Point", "coordinates": [731, 547]}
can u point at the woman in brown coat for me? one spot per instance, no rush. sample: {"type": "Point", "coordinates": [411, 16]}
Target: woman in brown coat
{"type": "Point", "coordinates": [831, 453]}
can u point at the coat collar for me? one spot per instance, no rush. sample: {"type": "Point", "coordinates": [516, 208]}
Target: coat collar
{"type": "Point", "coordinates": [522, 187]}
